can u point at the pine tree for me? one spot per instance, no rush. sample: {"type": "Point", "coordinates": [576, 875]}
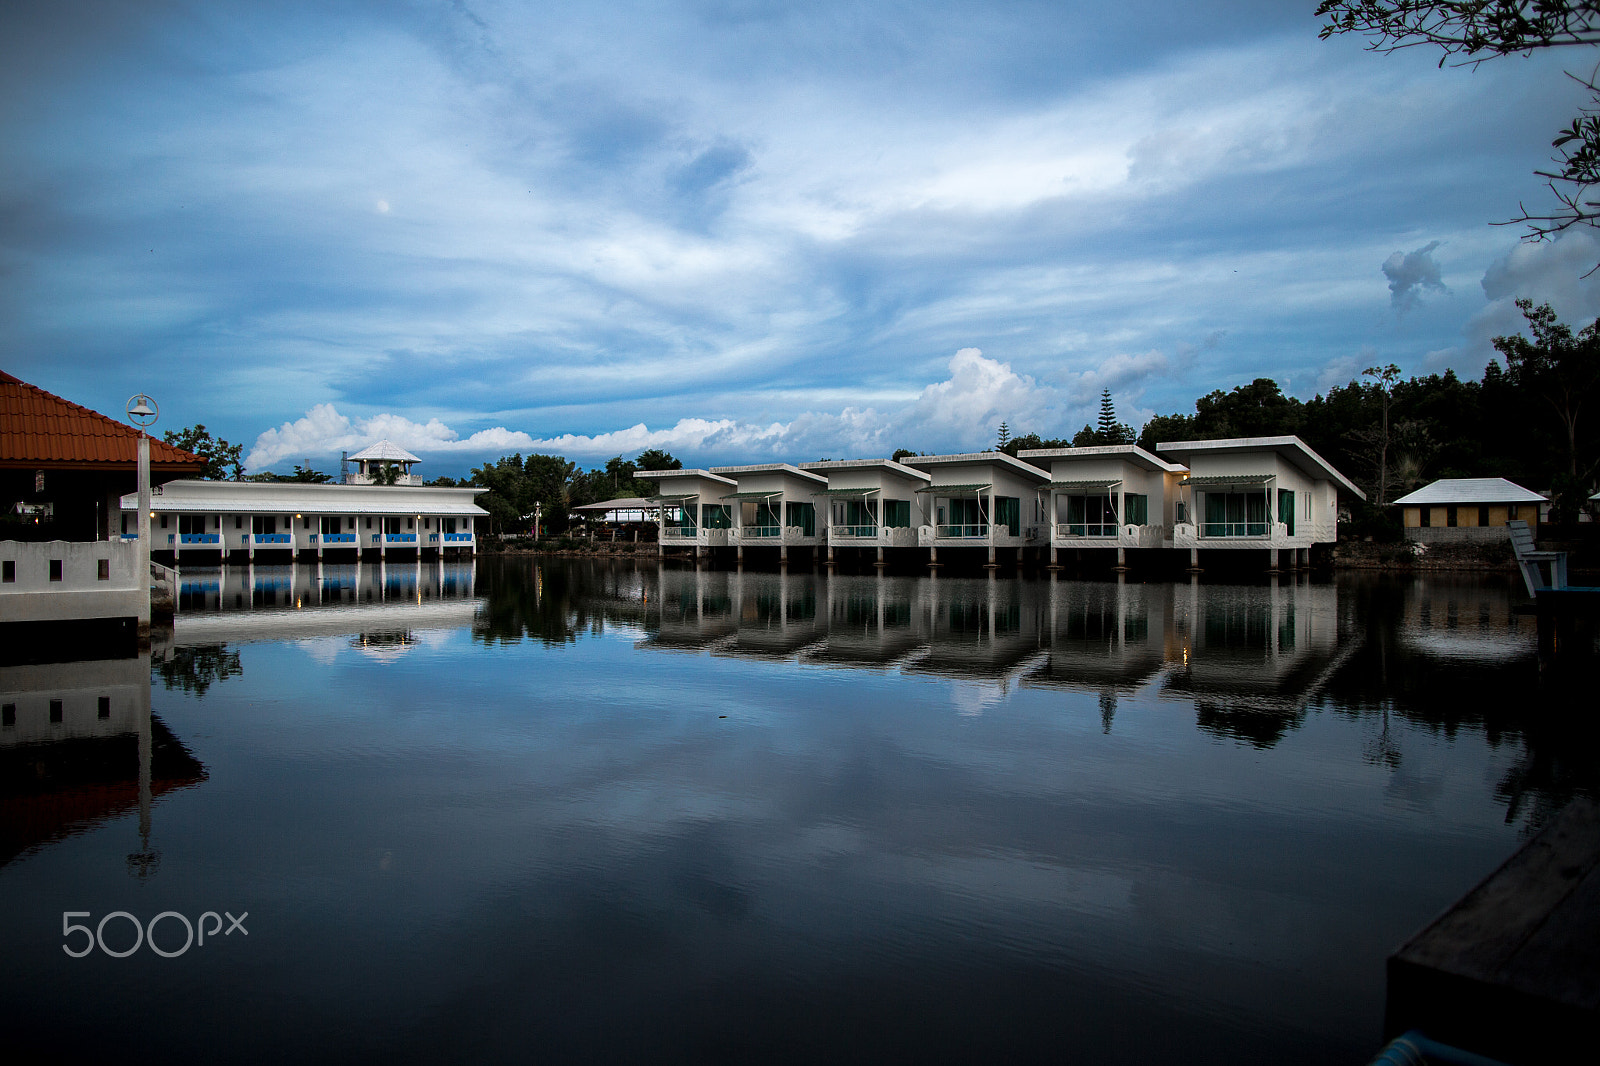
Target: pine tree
{"type": "Point", "coordinates": [1108, 415]}
{"type": "Point", "coordinates": [1005, 437]}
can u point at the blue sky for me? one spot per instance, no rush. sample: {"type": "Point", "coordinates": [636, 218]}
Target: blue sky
{"type": "Point", "coordinates": [744, 231]}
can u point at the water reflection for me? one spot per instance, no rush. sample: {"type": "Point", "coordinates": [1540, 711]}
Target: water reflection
{"type": "Point", "coordinates": [80, 747]}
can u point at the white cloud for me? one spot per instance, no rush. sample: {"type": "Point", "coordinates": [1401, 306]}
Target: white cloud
{"type": "Point", "coordinates": [323, 431]}
{"type": "Point", "coordinates": [961, 412]}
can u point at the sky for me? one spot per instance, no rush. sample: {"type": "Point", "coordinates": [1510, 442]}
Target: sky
{"type": "Point", "coordinates": [741, 231]}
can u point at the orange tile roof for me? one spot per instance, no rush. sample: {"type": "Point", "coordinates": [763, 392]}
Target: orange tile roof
{"type": "Point", "coordinates": [39, 429]}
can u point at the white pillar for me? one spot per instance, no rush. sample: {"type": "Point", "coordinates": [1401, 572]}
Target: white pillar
{"type": "Point", "coordinates": [143, 562]}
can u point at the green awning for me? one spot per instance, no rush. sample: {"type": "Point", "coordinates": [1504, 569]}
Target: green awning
{"type": "Point", "coordinates": [1229, 479]}
{"type": "Point", "coordinates": [675, 499]}
{"type": "Point", "coordinates": [1082, 487]}
{"type": "Point", "coordinates": [751, 495]}
{"type": "Point", "coordinates": [956, 490]}
{"type": "Point", "coordinates": [847, 492]}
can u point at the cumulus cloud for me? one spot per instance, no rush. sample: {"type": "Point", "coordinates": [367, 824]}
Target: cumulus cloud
{"type": "Point", "coordinates": [1409, 273]}
{"type": "Point", "coordinates": [1344, 369]}
{"type": "Point", "coordinates": [961, 412]}
{"type": "Point", "coordinates": [323, 431]}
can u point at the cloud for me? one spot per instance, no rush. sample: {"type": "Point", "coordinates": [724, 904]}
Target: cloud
{"type": "Point", "coordinates": [1411, 272]}
{"type": "Point", "coordinates": [324, 432]}
{"type": "Point", "coordinates": [962, 412]}
{"type": "Point", "coordinates": [1344, 369]}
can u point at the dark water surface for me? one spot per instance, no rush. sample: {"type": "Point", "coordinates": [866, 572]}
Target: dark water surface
{"type": "Point", "coordinates": [610, 812]}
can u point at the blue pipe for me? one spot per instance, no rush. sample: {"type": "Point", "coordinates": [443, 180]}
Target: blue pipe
{"type": "Point", "coordinates": [1414, 1049]}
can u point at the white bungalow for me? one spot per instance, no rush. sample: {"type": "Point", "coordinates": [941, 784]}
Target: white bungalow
{"type": "Point", "coordinates": [775, 506]}
{"type": "Point", "coordinates": [372, 460]}
{"type": "Point", "coordinates": [981, 500]}
{"type": "Point", "coordinates": [1256, 492]}
{"type": "Point", "coordinates": [690, 508]}
{"type": "Point", "coordinates": [872, 503]}
{"type": "Point", "coordinates": [217, 518]}
{"type": "Point", "coordinates": [1112, 496]}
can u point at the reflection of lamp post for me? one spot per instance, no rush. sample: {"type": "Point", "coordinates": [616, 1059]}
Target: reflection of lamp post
{"type": "Point", "coordinates": [143, 412]}
{"type": "Point", "coordinates": [144, 862]}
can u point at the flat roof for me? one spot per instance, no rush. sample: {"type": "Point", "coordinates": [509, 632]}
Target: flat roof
{"type": "Point", "coordinates": [1131, 452]}
{"type": "Point", "coordinates": [693, 472]}
{"type": "Point", "coordinates": [626, 503]}
{"type": "Point", "coordinates": [1290, 447]}
{"type": "Point", "coordinates": [770, 468]}
{"type": "Point", "coordinates": [861, 464]}
{"type": "Point", "coordinates": [1471, 490]}
{"type": "Point", "coordinates": [985, 458]}
{"type": "Point", "coordinates": [279, 497]}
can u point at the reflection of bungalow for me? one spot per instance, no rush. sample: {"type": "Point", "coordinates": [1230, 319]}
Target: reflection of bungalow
{"type": "Point", "coordinates": [690, 508]}
{"type": "Point", "coordinates": [219, 517]}
{"type": "Point", "coordinates": [1117, 496]}
{"type": "Point", "coordinates": [1468, 508]}
{"type": "Point", "coordinates": [775, 507]}
{"type": "Point", "coordinates": [872, 503]}
{"type": "Point", "coordinates": [981, 500]}
{"type": "Point", "coordinates": [377, 461]}
{"type": "Point", "coordinates": [1103, 636]}
{"type": "Point", "coordinates": [1256, 492]}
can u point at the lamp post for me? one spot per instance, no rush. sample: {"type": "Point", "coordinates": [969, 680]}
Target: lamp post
{"type": "Point", "coordinates": [143, 412]}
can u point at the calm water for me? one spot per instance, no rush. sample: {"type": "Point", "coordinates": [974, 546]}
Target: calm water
{"type": "Point", "coordinates": [580, 811]}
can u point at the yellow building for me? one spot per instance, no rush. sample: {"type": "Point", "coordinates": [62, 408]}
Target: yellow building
{"type": "Point", "coordinates": [1475, 508]}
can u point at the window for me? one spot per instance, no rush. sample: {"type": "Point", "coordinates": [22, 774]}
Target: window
{"type": "Point", "coordinates": [191, 524]}
{"type": "Point", "coordinates": [1483, 516]}
{"type": "Point", "coordinates": [411, 523]}
{"type": "Point", "coordinates": [55, 569]}
{"type": "Point", "coordinates": [1450, 516]}
{"type": "Point", "coordinates": [1427, 517]}
{"type": "Point", "coordinates": [1511, 512]}
{"type": "Point", "coordinates": [8, 570]}
{"type": "Point", "coordinates": [966, 519]}
{"type": "Point", "coordinates": [1008, 513]}
{"type": "Point", "coordinates": [124, 525]}
{"type": "Point", "coordinates": [803, 515]}
{"type": "Point", "coordinates": [1136, 509]}
{"type": "Point", "coordinates": [104, 708]}
{"type": "Point", "coordinates": [1286, 510]}
{"type": "Point", "coordinates": [716, 516]}
{"type": "Point", "coordinates": [1235, 514]}
{"type": "Point", "coordinates": [1092, 516]}
{"type": "Point", "coordinates": [369, 523]}
{"type": "Point", "coordinates": [103, 569]}
{"type": "Point", "coordinates": [264, 524]}
{"type": "Point", "coordinates": [55, 712]}
{"type": "Point", "coordinates": [8, 716]}
{"type": "Point", "coordinates": [897, 514]}
{"type": "Point", "coordinates": [305, 523]}
{"type": "Point", "coordinates": [238, 521]}
{"type": "Point", "coordinates": [350, 523]}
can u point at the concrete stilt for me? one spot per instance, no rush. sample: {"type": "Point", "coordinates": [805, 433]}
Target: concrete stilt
{"type": "Point", "coordinates": [783, 554]}
{"type": "Point", "coordinates": [1194, 560]}
{"type": "Point", "coordinates": [933, 558]}
{"type": "Point", "coordinates": [879, 564]}
{"type": "Point", "coordinates": [1122, 559]}
{"type": "Point", "coordinates": [1272, 560]}
{"type": "Point", "coordinates": [1055, 558]}
{"type": "Point", "coordinates": [990, 565]}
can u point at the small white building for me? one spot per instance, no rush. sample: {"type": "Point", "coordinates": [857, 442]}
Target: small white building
{"type": "Point", "coordinates": [213, 519]}
{"type": "Point", "coordinates": [981, 500]}
{"type": "Point", "coordinates": [872, 503]}
{"type": "Point", "coordinates": [1256, 492]}
{"type": "Point", "coordinates": [775, 506]}
{"type": "Point", "coordinates": [1111, 496]}
{"type": "Point", "coordinates": [372, 461]}
{"type": "Point", "coordinates": [690, 508]}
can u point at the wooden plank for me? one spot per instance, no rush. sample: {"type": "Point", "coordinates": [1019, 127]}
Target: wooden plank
{"type": "Point", "coordinates": [1477, 937]}
{"type": "Point", "coordinates": [1512, 971]}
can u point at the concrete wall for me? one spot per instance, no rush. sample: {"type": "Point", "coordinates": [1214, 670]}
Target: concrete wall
{"type": "Point", "coordinates": [81, 592]}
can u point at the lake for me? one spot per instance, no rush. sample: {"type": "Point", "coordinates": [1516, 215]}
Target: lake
{"type": "Point", "coordinates": [576, 810]}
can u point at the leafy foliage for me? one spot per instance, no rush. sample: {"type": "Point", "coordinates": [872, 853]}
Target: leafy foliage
{"type": "Point", "coordinates": [223, 460]}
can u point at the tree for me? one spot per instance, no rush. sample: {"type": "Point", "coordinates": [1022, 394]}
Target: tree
{"type": "Point", "coordinates": [387, 474]}
{"type": "Point", "coordinates": [1478, 30]}
{"type": "Point", "coordinates": [308, 475]}
{"type": "Point", "coordinates": [1109, 430]}
{"type": "Point", "coordinates": [1003, 437]}
{"type": "Point", "coordinates": [1562, 369]}
{"type": "Point", "coordinates": [1166, 428]}
{"type": "Point", "coordinates": [1384, 377]}
{"type": "Point", "coordinates": [223, 461]}
{"type": "Point", "coordinates": [656, 459]}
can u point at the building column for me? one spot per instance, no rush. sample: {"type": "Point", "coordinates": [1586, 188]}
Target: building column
{"type": "Point", "coordinates": [1272, 560]}
{"type": "Point", "coordinates": [933, 556]}
{"type": "Point", "coordinates": [879, 563]}
{"type": "Point", "coordinates": [1122, 558]}
{"type": "Point", "coordinates": [1194, 559]}
{"type": "Point", "coordinates": [783, 554]}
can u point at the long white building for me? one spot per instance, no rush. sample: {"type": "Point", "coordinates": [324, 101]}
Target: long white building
{"type": "Point", "coordinates": [208, 520]}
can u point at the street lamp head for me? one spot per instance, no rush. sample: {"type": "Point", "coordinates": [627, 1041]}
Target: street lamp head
{"type": "Point", "coordinates": [142, 410]}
